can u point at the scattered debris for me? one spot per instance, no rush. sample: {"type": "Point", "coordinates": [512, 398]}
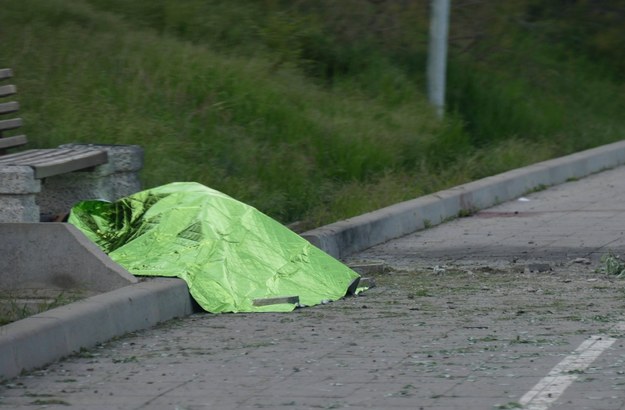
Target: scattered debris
{"type": "Point", "coordinates": [523, 199]}
{"type": "Point", "coordinates": [612, 265]}
{"type": "Point", "coordinates": [438, 270]}
{"type": "Point", "coordinates": [368, 267]}
{"type": "Point", "coordinates": [538, 267]}
{"type": "Point", "coordinates": [366, 283]}
{"type": "Point", "coordinates": [360, 284]}
{"type": "Point", "coordinates": [293, 300]}
{"type": "Point", "coordinates": [583, 261]}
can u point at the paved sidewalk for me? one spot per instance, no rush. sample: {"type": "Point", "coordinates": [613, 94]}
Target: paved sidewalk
{"type": "Point", "coordinates": [577, 219]}
{"type": "Point", "coordinates": [472, 314]}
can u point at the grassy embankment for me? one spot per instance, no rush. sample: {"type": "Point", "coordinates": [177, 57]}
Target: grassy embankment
{"type": "Point", "coordinates": [308, 110]}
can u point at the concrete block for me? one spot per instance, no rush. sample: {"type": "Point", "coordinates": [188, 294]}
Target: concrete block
{"type": "Point", "coordinates": [60, 193]}
{"type": "Point", "coordinates": [111, 181]}
{"type": "Point", "coordinates": [18, 188]}
{"type": "Point", "coordinates": [18, 208]}
{"type": "Point", "coordinates": [18, 180]}
{"type": "Point", "coordinates": [366, 283]}
{"type": "Point", "coordinates": [55, 256]}
{"type": "Point", "coordinates": [56, 195]}
{"type": "Point", "coordinates": [123, 184]}
{"type": "Point", "coordinates": [122, 158]}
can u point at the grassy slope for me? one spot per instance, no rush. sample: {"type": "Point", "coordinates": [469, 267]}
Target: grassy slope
{"type": "Point", "coordinates": [266, 103]}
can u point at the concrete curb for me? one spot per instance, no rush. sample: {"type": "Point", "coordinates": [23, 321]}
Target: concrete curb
{"type": "Point", "coordinates": [48, 336]}
{"type": "Point", "coordinates": [346, 237]}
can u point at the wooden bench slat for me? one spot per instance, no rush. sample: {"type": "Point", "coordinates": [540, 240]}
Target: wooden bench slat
{"type": "Point", "coordinates": [49, 155]}
{"type": "Point", "coordinates": [9, 107]}
{"type": "Point", "coordinates": [10, 124]}
{"type": "Point", "coordinates": [7, 90]}
{"type": "Point", "coordinates": [11, 142]}
{"type": "Point", "coordinates": [49, 162]}
{"type": "Point", "coordinates": [6, 73]}
{"type": "Point", "coordinates": [45, 162]}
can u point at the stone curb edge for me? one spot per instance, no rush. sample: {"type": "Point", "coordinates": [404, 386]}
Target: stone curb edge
{"type": "Point", "coordinates": [349, 236]}
{"type": "Point", "coordinates": [43, 338]}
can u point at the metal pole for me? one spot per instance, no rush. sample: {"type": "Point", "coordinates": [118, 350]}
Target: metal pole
{"type": "Point", "coordinates": [437, 55]}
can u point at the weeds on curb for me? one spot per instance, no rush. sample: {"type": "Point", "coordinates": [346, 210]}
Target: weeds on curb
{"type": "Point", "coordinates": [510, 405]}
{"type": "Point", "coordinates": [612, 265]}
{"type": "Point", "coordinates": [13, 308]}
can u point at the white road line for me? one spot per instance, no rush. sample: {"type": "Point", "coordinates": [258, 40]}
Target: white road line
{"type": "Point", "coordinates": [547, 390]}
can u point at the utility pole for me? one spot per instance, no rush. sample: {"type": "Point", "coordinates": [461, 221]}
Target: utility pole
{"type": "Point", "coordinates": [437, 54]}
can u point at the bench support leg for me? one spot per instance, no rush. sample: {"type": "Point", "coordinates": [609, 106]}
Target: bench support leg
{"type": "Point", "coordinates": [116, 179]}
{"type": "Point", "coordinates": [18, 189]}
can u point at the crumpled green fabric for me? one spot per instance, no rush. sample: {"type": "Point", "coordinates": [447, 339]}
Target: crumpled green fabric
{"type": "Point", "coordinates": [229, 253]}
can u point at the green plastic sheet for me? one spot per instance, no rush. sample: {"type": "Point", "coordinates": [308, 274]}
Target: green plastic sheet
{"type": "Point", "coordinates": [229, 253]}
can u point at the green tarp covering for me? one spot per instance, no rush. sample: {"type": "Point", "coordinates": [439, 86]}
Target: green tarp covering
{"type": "Point", "coordinates": [233, 257]}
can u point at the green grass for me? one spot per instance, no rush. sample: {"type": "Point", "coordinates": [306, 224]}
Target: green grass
{"type": "Point", "coordinates": [612, 264]}
{"type": "Point", "coordinates": [307, 112]}
{"type": "Point", "coordinates": [15, 305]}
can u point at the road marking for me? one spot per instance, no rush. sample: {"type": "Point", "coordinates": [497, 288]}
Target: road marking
{"type": "Point", "coordinates": [547, 390]}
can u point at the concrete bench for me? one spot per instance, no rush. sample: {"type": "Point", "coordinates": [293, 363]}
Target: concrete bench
{"type": "Point", "coordinates": [41, 184]}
